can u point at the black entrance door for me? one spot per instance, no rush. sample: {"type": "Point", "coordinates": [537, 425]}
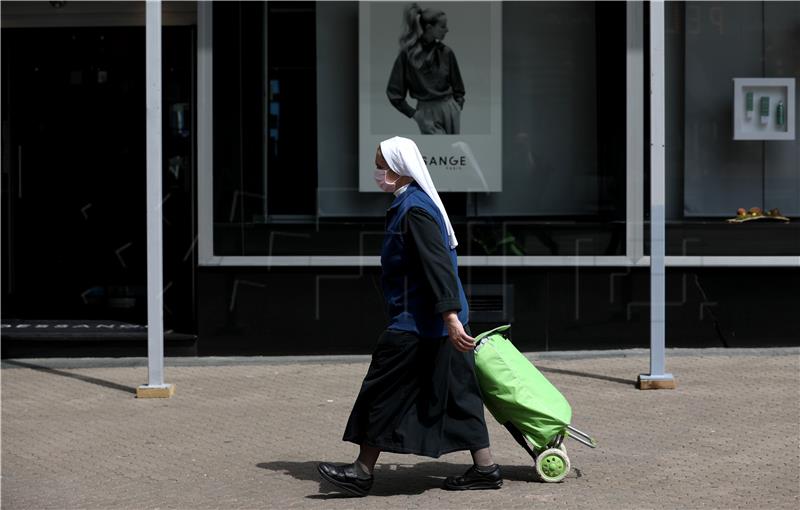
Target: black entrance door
{"type": "Point", "coordinates": [74, 175]}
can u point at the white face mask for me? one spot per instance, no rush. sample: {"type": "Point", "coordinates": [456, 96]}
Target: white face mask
{"type": "Point", "coordinates": [385, 185]}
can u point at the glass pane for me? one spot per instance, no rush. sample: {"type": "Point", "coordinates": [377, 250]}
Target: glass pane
{"type": "Point", "coordinates": [294, 190]}
{"type": "Point", "coordinates": [709, 174]}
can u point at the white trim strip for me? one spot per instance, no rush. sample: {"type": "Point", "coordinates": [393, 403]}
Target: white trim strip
{"type": "Point", "coordinates": [634, 112]}
{"type": "Point", "coordinates": [205, 136]}
{"type": "Point", "coordinates": [722, 261]}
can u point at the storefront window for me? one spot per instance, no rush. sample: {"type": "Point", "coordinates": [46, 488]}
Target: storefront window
{"type": "Point", "coordinates": [286, 133]}
{"type": "Point", "coordinates": [710, 174]}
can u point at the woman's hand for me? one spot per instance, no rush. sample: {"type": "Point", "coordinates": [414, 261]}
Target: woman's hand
{"type": "Point", "coordinates": [455, 331]}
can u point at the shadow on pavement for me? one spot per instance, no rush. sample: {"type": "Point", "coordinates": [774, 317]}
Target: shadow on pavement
{"type": "Point", "coordinates": [619, 380]}
{"type": "Point", "coordinates": [397, 479]}
{"type": "Point", "coordinates": [84, 378]}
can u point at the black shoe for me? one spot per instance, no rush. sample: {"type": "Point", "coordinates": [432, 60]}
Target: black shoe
{"type": "Point", "coordinates": [474, 479]}
{"type": "Point", "coordinates": [346, 477]}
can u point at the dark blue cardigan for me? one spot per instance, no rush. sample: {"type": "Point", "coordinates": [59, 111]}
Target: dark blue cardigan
{"type": "Point", "coordinates": [410, 301]}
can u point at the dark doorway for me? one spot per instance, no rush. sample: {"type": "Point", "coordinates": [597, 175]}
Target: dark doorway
{"type": "Point", "coordinates": [74, 175]}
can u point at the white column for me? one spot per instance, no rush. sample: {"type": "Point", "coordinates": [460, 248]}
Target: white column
{"type": "Point", "coordinates": [155, 280]}
{"type": "Point", "coordinates": [657, 378]}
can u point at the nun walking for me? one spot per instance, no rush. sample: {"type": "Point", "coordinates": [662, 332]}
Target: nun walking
{"type": "Point", "coordinates": [420, 394]}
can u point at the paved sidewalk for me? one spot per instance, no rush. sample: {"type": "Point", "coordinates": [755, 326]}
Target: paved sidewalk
{"type": "Point", "coordinates": [244, 434]}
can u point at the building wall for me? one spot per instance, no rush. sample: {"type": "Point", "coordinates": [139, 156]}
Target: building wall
{"type": "Point", "coordinates": [250, 311]}
{"type": "Point", "coordinates": [333, 310]}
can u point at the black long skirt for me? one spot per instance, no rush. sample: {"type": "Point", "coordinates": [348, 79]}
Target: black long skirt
{"type": "Point", "coordinates": [419, 396]}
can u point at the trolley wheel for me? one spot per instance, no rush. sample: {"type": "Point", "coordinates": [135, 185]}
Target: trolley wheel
{"type": "Point", "coordinates": [552, 465]}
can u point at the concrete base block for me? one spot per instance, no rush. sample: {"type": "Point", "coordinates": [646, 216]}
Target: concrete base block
{"type": "Point", "coordinates": [660, 382]}
{"type": "Point", "coordinates": [163, 391]}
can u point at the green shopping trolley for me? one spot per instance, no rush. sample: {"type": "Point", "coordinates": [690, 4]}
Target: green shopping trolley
{"type": "Point", "coordinates": [519, 397]}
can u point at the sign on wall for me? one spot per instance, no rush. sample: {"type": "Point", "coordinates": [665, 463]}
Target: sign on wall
{"type": "Point", "coordinates": [433, 75]}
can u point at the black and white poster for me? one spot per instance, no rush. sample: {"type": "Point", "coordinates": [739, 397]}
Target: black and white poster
{"type": "Point", "coordinates": [432, 72]}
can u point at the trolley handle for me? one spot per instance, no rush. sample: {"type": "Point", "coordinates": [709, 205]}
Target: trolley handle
{"type": "Point", "coordinates": [581, 437]}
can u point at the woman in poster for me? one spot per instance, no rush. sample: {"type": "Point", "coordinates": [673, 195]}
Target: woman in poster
{"type": "Point", "coordinates": [420, 394]}
{"type": "Point", "coordinates": [426, 69]}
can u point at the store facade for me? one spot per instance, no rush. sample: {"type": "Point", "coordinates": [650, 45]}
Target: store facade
{"type": "Point", "coordinates": [281, 245]}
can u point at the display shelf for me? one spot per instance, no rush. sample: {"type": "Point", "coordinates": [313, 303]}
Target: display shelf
{"type": "Point", "coordinates": [764, 109]}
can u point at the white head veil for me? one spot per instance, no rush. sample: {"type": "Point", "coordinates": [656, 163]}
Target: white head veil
{"type": "Point", "coordinates": [404, 158]}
